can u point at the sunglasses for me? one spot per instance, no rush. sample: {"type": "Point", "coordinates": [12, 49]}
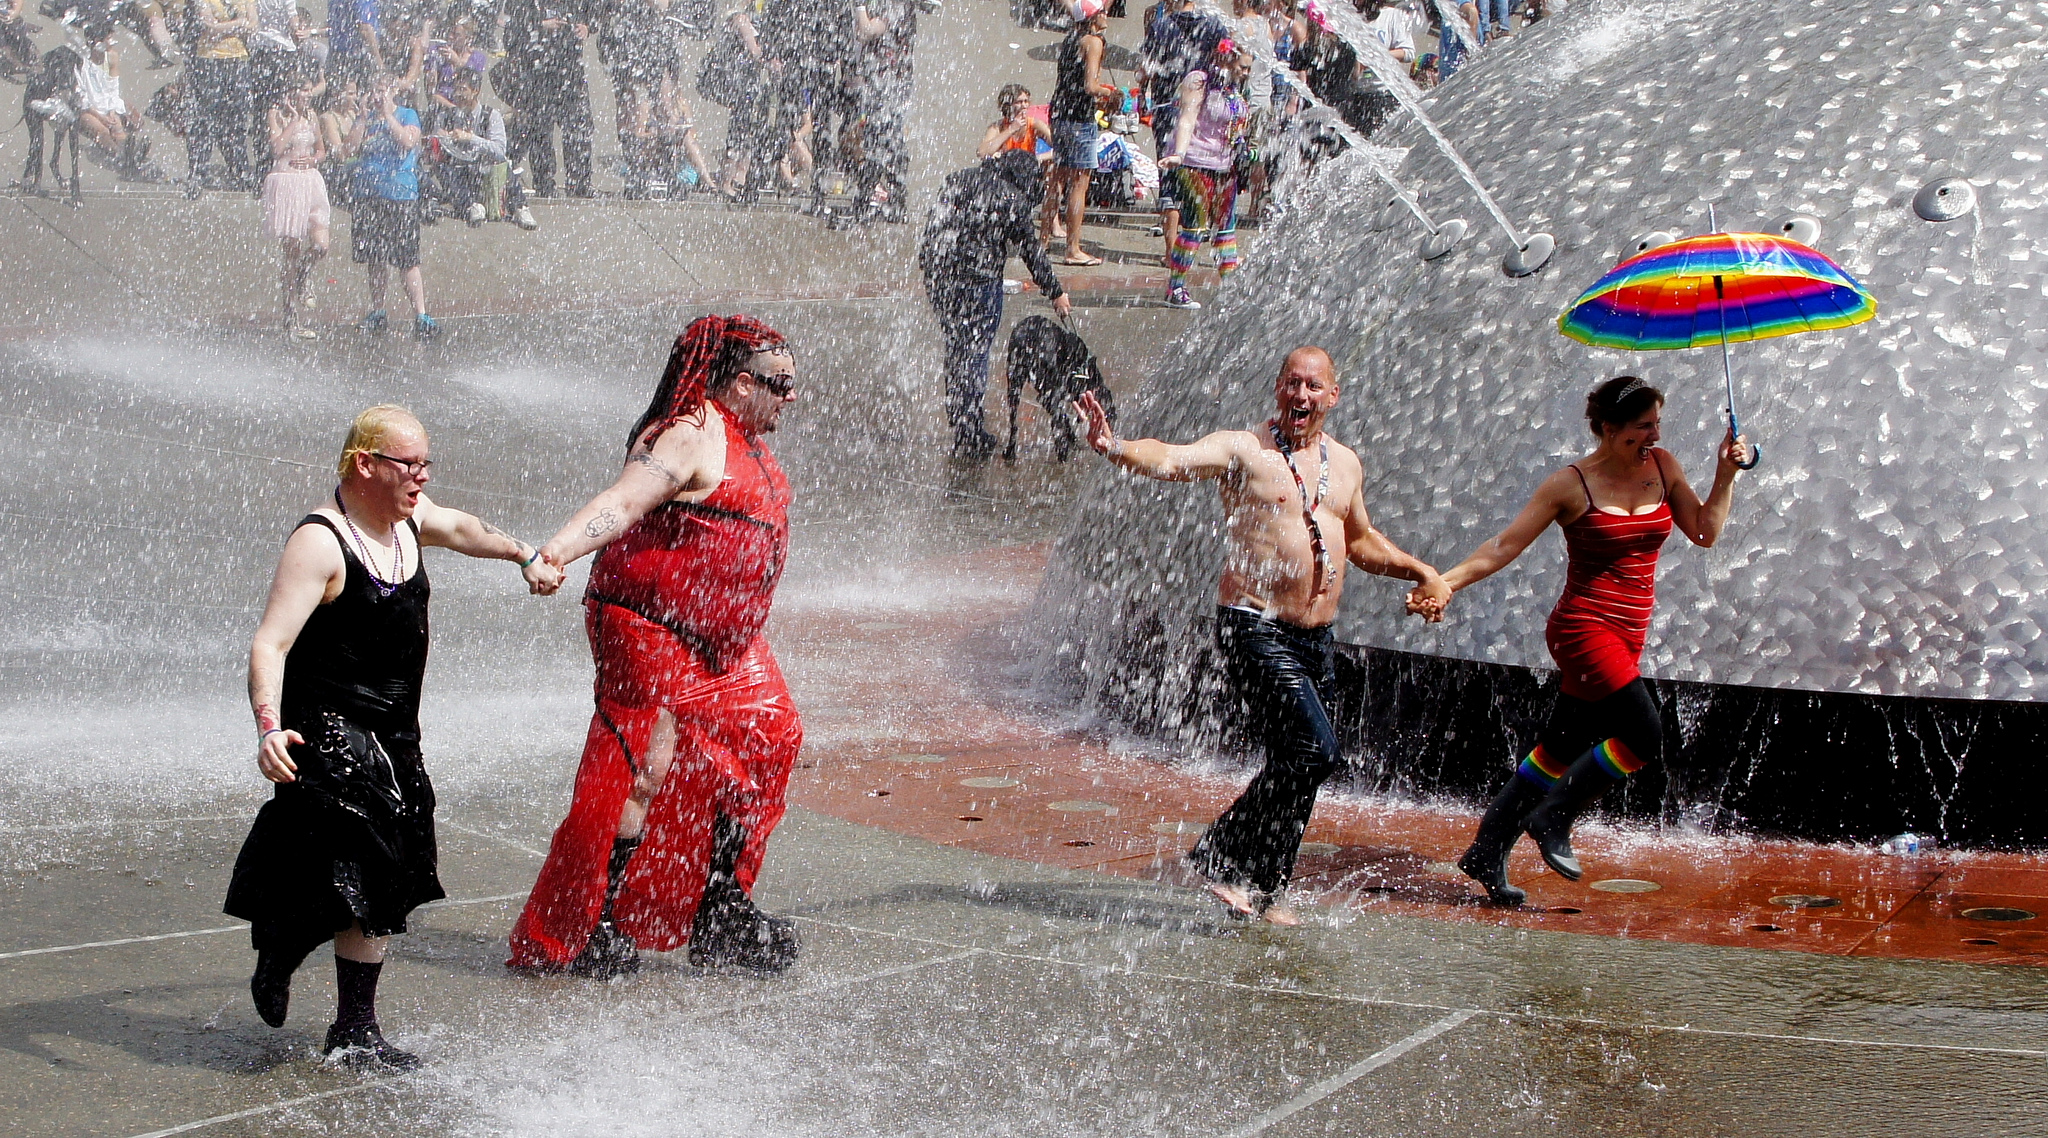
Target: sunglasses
{"type": "Point", "coordinates": [780, 384]}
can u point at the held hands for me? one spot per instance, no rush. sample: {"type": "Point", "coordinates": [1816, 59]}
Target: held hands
{"type": "Point", "coordinates": [273, 755]}
{"type": "Point", "coordinates": [543, 577]}
{"type": "Point", "coordinates": [1100, 436]}
{"type": "Point", "coordinates": [1429, 599]}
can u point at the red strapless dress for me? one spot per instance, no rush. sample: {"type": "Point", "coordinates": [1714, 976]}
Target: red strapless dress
{"type": "Point", "coordinates": [674, 611]}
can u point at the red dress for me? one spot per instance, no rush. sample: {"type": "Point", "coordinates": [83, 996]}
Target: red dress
{"type": "Point", "coordinates": [674, 611]}
{"type": "Point", "coordinates": [1597, 630]}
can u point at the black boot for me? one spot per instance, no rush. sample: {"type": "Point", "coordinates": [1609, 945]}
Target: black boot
{"type": "Point", "coordinates": [270, 986]}
{"type": "Point", "coordinates": [1551, 822]}
{"type": "Point", "coordinates": [1487, 860]}
{"type": "Point", "coordinates": [730, 929]}
{"type": "Point", "coordinates": [364, 1046]}
{"type": "Point", "coordinates": [610, 951]}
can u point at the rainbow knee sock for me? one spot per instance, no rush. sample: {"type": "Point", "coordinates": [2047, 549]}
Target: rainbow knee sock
{"type": "Point", "coordinates": [1613, 755]}
{"type": "Point", "coordinates": [1616, 759]}
{"type": "Point", "coordinates": [1540, 768]}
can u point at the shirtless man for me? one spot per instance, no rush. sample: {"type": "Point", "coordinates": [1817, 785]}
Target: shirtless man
{"type": "Point", "coordinates": [1293, 498]}
{"type": "Point", "coordinates": [690, 751]}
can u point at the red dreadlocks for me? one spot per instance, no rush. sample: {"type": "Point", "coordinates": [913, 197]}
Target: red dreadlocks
{"type": "Point", "coordinates": [711, 347]}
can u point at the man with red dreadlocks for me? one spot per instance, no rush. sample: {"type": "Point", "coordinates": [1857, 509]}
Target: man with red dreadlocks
{"type": "Point", "coordinates": [689, 753]}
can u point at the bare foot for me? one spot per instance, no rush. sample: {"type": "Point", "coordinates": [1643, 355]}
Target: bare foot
{"type": "Point", "coordinates": [1282, 914]}
{"type": "Point", "coordinates": [1236, 896]}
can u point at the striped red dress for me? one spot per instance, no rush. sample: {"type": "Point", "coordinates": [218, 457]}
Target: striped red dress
{"type": "Point", "coordinates": [1596, 632]}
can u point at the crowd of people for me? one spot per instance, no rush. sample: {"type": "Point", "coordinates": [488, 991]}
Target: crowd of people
{"type": "Point", "coordinates": [817, 91]}
{"type": "Point", "coordinates": [384, 111]}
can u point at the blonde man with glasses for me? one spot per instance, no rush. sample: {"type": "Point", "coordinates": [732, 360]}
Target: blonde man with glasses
{"type": "Point", "coordinates": [344, 850]}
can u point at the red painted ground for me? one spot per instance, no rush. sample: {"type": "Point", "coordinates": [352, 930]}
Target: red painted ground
{"type": "Point", "coordinates": [909, 729]}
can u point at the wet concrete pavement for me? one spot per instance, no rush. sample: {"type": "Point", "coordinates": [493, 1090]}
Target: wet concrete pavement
{"type": "Point", "coordinates": [959, 976]}
{"type": "Point", "coordinates": [994, 977]}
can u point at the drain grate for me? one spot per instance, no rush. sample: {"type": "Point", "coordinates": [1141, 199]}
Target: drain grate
{"type": "Point", "coordinates": [1179, 828]}
{"type": "Point", "coordinates": [970, 817]}
{"type": "Point", "coordinates": [1997, 913]}
{"type": "Point", "coordinates": [1766, 928]}
{"type": "Point", "coordinates": [1319, 849]}
{"type": "Point", "coordinates": [1805, 901]}
{"type": "Point", "coordinates": [1982, 941]}
{"type": "Point", "coordinates": [1565, 909]}
{"type": "Point", "coordinates": [1078, 843]}
{"type": "Point", "coordinates": [910, 757]}
{"type": "Point", "coordinates": [990, 782]}
{"type": "Point", "coordinates": [1626, 885]}
{"type": "Point", "coordinates": [1082, 806]}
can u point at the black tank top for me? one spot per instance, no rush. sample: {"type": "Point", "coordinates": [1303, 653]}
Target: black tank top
{"type": "Point", "coordinates": [361, 654]}
{"type": "Point", "coordinates": [1071, 99]}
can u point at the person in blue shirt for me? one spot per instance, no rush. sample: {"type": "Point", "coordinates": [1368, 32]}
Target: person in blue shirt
{"type": "Point", "coordinates": [384, 225]}
{"type": "Point", "coordinates": [355, 37]}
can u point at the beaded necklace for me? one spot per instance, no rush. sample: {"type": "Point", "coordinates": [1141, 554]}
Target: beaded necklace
{"type": "Point", "coordinates": [1308, 505]}
{"type": "Point", "coordinates": [384, 588]}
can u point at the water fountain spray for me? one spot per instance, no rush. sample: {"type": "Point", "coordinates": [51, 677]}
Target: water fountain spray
{"type": "Point", "coordinates": [1530, 253]}
{"type": "Point", "coordinates": [1448, 13]}
{"type": "Point", "coordinates": [1441, 239]}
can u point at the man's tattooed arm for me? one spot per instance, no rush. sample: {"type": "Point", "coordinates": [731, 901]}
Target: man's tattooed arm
{"type": "Point", "coordinates": [647, 459]}
{"type": "Point", "coordinates": [520, 550]}
{"type": "Point", "coordinates": [606, 521]}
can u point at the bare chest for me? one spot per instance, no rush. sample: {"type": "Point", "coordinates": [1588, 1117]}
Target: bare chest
{"type": "Point", "coordinates": [1268, 481]}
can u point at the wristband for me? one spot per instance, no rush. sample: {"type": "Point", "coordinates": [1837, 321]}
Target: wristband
{"type": "Point", "coordinates": [1115, 448]}
{"type": "Point", "coordinates": [531, 560]}
{"type": "Point", "coordinates": [268, 734]}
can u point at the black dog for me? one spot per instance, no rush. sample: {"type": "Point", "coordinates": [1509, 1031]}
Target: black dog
{"type": "Point", "coordinates": [1059, 366]}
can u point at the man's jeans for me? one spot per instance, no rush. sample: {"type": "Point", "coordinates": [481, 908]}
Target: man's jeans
{"type": "Point", "coordinates": [968, 317]}
{"type": "Point", "coordinates": [1284, 674]}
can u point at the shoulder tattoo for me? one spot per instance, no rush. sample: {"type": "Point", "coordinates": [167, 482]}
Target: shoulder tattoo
{"type": "Point", "coordinates": [647, 459]}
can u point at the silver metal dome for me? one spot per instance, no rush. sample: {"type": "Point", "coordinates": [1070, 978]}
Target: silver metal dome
{"type": "Point", "coordinates": [1892, 540]}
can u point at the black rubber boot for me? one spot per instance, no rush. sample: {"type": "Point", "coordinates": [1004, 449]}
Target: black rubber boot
{"type": "Point", "coordinates": [1499, 829]}
{"type": "Point", "coordinates": [730, 929]}
{"type": "Point", "coordinates": [733, 932]}
{"type": "Point", "coordinates": [610, 951]}
{"type": "Point", "coordinates": [1551, 822]}
{"type": "Point", "coordinates": [270, 986]}
{"type": "Point", "coordinates": [364, 1046]}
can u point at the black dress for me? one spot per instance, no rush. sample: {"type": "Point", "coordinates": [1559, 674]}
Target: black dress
{"type": "Point", "coordinates": [352, 839]}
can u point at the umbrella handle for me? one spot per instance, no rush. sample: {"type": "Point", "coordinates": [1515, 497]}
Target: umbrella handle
{"type": "Point", "coordinates": [1756, 453]}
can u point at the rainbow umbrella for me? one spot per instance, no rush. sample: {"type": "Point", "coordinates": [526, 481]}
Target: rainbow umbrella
{"type": "Point", "coordinates": [1716, 288]}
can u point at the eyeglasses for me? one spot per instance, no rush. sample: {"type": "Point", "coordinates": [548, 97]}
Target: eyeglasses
{"type": "Point", "coordinates": [413, 468]}
{"type": "Point", "coordinates": [779, 384]}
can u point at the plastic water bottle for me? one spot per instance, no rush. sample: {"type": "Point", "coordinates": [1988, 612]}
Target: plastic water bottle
{"type": "Point", "coordinates": [1904, 844]}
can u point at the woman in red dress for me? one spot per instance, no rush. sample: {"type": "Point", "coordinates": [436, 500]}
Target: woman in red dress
{"type": "Point", "coordinates": [1616, 507]}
